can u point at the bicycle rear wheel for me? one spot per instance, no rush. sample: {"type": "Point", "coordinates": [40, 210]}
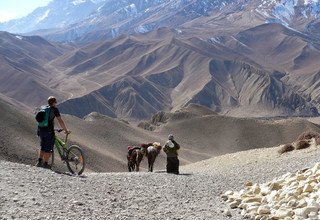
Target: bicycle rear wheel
{"type": "Point", "coordinates": [75, 160]}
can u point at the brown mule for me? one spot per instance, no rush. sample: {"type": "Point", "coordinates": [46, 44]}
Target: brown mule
{"type": "Point", "coordinates": [134, 159]}
{"type": "Point", "coordinates": [135, 156]}
{"type": "Point", "coordinates": [152, 153]}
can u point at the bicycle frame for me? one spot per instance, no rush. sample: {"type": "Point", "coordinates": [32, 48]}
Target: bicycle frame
{"type": "Point", "coordinates": [61, 146]}
{"type": "Point", "coordinates": [71, 155]}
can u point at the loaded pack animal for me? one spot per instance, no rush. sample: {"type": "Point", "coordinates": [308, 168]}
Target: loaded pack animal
{"type": "Point", "coordinates": [152, 153]}
{"type": "Point", "coordinates": [135, 156]}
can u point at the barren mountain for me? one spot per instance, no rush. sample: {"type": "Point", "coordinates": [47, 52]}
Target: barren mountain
{"type": "Point", "coordinates": [233, 75]}
{"type": "Point", "coordinates": [24, 76]}
{"type": "Point", "coordinates": [290, 54]}
{"type": "Point", "coordinates": [134, 77]}
{"type": "Point", "coordinates": [238, 58]}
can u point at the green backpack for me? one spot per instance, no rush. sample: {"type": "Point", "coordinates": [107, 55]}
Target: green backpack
{"type": "Point", "coordinates": [42, 116]}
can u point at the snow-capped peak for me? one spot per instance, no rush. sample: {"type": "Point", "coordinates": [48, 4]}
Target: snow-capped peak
{"type": "Point", "coordinates": [285, 11]}
{"type": "Point", "coordinates": [119, 16]}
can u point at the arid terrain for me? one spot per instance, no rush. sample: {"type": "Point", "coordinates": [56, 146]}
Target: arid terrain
{"type": "Point", "coordinates": [134, 77]}
{"type": "Point", "coordinates": [233, 81]}
{"type": "Point", "coordinates": [194, 194]}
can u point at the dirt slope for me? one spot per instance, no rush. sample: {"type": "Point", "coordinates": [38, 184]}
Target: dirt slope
{"type": "Point", "coordinates": [195, 194]}
{"type": "Point", "coordinates": [24, 76]}
{"type": "Point", "coordinates": [104, 141]}
{"type": "Point", "coordinates": [17, 135]}
{"type": "Point", "coordinates": [219, 135]}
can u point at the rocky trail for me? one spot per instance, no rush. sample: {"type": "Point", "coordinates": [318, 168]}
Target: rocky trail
{"type": "Point", "coordinates": [28, 192]}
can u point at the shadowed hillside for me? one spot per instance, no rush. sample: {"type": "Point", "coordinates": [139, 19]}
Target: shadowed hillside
{"type": "Point", "coordinates": [24, 76]}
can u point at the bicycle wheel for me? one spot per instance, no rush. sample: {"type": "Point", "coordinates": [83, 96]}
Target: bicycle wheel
{"type": "Point", "coordinates": [75, 160]}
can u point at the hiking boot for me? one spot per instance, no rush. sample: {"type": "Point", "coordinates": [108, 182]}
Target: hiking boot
{"type": "Point", "coordinates": [39, 163]}
{"type": "Point", "coordinates": [46, 166]}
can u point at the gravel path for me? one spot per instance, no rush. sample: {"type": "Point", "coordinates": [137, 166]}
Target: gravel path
{"type": "Point", "coordinates": [33, 193]}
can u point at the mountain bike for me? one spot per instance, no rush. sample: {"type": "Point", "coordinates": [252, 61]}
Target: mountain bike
{"type": "Point", "coordinates": [72, 155]}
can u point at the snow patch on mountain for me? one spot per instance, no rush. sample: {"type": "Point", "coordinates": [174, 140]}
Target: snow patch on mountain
{"type": "Point", "coordinates": [142, 29]}
{"type": "Point", "coordinates": [306, 2]}
{"type": "Point", "coordinates": [315, 8]}
{"type": "Point", "coordinates": [216, 40]}
{"type": "Point", "coordinates": [78, 2]}
{"type": "Point", "coordinates": [131, 9]}
{"type": "Point", "coordinates": [285, 9]}
{"type": "Point", "coordinates": [45, 15]}
{"type": "Point", "coordinates": [178, 31]}
{"type": "Point", "coordinates": [99, 9]}
{"type": "Point", "coordinates": [115, 32]}
{"type": "Point", "coordinates": [19, 37]}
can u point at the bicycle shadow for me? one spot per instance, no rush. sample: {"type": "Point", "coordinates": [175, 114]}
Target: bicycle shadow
{"type": "Point", "coordinates": [70, 174]}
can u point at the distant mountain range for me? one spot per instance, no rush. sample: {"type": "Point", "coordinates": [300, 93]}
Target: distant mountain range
{"type": "Point", "coordinates": [57, 14]}
{"type": "Point", "coordinates": [133, 58]}
{"type": "Point", "coordinates": [86, 20]}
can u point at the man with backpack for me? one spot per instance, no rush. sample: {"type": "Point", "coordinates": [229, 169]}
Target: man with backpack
{"type": "Point", "coordinates": [171, 149]}
{"type": "Point", "coordinates": [45, 118]}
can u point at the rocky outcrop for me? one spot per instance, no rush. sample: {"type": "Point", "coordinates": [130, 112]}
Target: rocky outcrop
{"type": "Point", "coordinates": [291, 196]}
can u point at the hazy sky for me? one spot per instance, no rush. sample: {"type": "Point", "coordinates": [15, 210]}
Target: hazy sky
{"type": "Point", "coordinates": [10, 9]}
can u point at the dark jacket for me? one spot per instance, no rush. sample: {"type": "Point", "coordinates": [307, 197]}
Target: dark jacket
{"type": "Point", "coordinates": [171, 152]}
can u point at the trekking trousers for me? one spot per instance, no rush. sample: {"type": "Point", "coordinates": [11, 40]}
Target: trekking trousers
{"type": "Point", "coordinates": [173, 165]}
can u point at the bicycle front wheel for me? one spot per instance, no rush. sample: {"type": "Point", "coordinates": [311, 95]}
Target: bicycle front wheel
{"type": "Point", "coordinates": [75, 160]}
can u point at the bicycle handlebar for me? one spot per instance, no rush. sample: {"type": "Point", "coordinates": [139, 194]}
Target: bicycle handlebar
{"type": "Point", "coordinates": [60, 130]}
{"type": "Point", "coordinates": [67, 133]}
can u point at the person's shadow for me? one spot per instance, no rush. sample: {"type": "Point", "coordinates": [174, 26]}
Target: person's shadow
{"type": "Point", "coordinates": [180, 174]}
